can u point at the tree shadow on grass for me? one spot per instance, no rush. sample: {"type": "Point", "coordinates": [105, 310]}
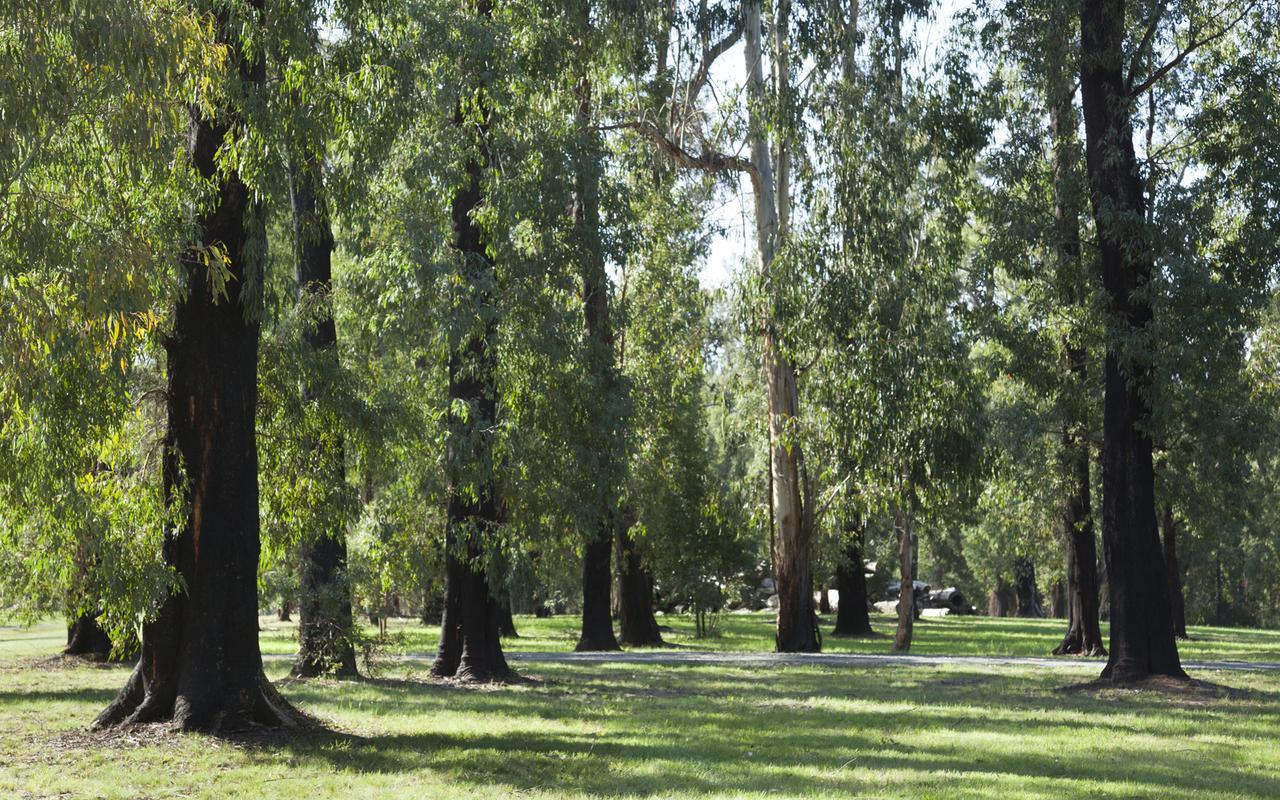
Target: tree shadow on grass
{"type": "Point", "coordinates": [698, 731]}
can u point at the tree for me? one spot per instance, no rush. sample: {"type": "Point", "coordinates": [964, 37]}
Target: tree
{"type": "Point", "coordinates": [470, 643]}
{"type": "Point", "coordinates": [200, 665]}
{"type": "Point", "coordinates": [1142, 641]}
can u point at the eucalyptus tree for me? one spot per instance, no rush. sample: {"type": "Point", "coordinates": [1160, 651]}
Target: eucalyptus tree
{"type": "Point", "coordinates": [1120, 64]}
{"type": "Point", "coordinates": [201, 665]}
{"type": "Point", "coordinates": [890, 373]}
{"type": "Point", "coordinates": [1036, 300]}
{"type": "Point", "coordinates": [307, 499]}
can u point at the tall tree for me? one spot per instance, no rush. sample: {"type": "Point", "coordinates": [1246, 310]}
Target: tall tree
{"type": "Point", "coordinates": [470, 643]}
{"type": "Point", "coordinates": [1142, 640]}
{"type": "Point", "coordinates": [597, 578]}
{"type": "Point", "coordinates": [201, 666]}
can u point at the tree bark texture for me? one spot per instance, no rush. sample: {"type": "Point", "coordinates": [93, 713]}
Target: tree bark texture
{"type": "Point", "coordinates": [87, 639]}
{"type": "Point", "coordinates": [1142, 639]}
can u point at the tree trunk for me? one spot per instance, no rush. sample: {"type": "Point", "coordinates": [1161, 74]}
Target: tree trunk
{"type": "Point", "coordinates": [797, 629]}
{"type": "Point", "coordinates": [285, 614]}
{"type": "Point", "coordinates": [506, 620]}
{"type": "Point", "coordinates": [470, 644]}
{"type": "Point", "coordinates": [1142, 640]}
{"type": "Point", "coordinates": [1000, 600]}
{"type": "Point", "coordinates": [1026, 591]}
{"type": "Point", "coordinates": [824, 601]}
{"type": "Point", "coordinates": [597, 577]}
{"type": "Point", "coordinates": [1177, 605]}
{"type": "Point", "coordinates": [638, 627]}
{"type": "Point", "coordinates": [1083, 636]}
{"type": "Point", "coordinates": [906, 592]}
{"type": "Point", "coordinates": [1058, 600]}
{"type": "Point", "coordinates": [324, 608]}
{"type": "Point", "coordinates": [852, 618]}
{"type": "Point", "coordinates": [201, 666]}
{"type": "Point", "coordinates": [87, 639]}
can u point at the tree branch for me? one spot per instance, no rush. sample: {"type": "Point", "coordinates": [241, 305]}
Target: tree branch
{"type": "Point", "coordinates": [708, 161]}
{"type": "Point", "coordinates": [1196, 44]}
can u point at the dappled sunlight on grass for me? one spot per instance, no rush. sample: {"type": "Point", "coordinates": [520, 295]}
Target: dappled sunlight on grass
{"type": "Point", "coordinates": [646, 730]}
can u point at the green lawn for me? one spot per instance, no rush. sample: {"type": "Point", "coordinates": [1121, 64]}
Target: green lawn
{"type": "Point", "coordinates": [983, 636]}
{"type": "Point", "coordinates": [668, 731]}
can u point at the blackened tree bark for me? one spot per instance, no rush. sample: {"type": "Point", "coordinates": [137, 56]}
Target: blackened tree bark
{"type": "Point", "coordinates": [597, 577]}
{"type": "Point", "coordinates": [1026, 592]}
{"type": "Point", "coordinates": [470, 643]}
{"type": "Point", "coordinates": [201, 667]}
{"type": "Point", "coordinates": [852, 618]}
{"type": "Point", "coordinates": [1083, 636]}
{"type": "Point", "coordinates": [637, 625]}
{"type": "Point", "coordinates": [87, 639]}
{"type": "Point", "coordinates": [1142, 640]}
{"type": "Point", "coordinates": [325, 624]}
{"type": "Point", "coordinates": [1177, 605]}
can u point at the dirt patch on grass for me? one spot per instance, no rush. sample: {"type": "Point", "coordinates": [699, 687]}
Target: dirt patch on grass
{"type": "Point", "coordinates": [1180, 688]}
{"type": "Point", "coordinates": [61, 662]}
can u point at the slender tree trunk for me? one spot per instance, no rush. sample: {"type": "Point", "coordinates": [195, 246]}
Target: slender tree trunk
{"type": "Point", "coordinates": [597, 577]}
{"type": "Point", "coordinates": [638, 627]}
{"type": "Point", "coordinates": [906, 592]}
{"type": "Point", "coordinates": [201, 666]}
{"type": "Point", "coordinates": [1177, 605]}
{"type": "Point", "coordinates": [852, 618]}
{"type": "Point", "coordinates": [824, 601]}
{"type": "Point", "coordinates": [324, 608]}
{"type": "Point", "coordinates": [797, 629]}
{"type": "Point", "coordinates": [1083, 636]}
{"type": "Point", "coordinates": [286, 609]}
{"type": "Point", "coordinates": [1142, 639]}
{"type": "Point", "coordinates": [1025, 589]}
{"type": "Point", "coordinates": [470, 644]}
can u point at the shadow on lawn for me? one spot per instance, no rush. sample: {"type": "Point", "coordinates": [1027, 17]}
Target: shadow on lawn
{"type": "Point", "coordinates": [621, 732]}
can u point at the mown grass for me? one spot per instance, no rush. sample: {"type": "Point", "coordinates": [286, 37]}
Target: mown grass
{"type": "Point", "coordinates": [980, 636]}
{"type": "Point", "coordinates": [626, 730]}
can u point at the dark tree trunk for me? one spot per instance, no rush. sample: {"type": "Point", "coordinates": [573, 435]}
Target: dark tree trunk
{"type": "Point", "coordinates": [506, 620]}
{"type": "Point", "coordinates": [1058, 600]}
{"type": "Point", "coordinates": [285, 615]}
{"type": "Point", "coordinates": [906, 592]}
{"type": "Point", "coordinates": [597, 578]}
{"type": "Point", "coordinates": [324, 608]}
{"type": "Point", "coordinates": [852, 618]}
{"type": "Point", "coordinates": [637, 625]}
{"type": "Point", "coordinates": [1001, 599]}
{"type": "Point", "coordinates": [87, 639]}
{"type": "Point", "coordinates": [1142, 640]}
{"type": "Point", "coordinates": [1083, 636]}
{"type": "Point", "coordinates": [824, 601]}
{"type": "Point", "coordinates": [1026, 592]}
{"type": "Point", "coordinates": [1177, 605]}
{"type": "Point", "coordinates": [200, 665]}
{"type": "Point", "coordinates": [470, 642]}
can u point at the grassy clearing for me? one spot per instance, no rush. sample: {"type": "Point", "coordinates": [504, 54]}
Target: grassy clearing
{"type": "Point", "coordinates": [979, 636]}
{"type": "Point", "coordinates": [660, 731]}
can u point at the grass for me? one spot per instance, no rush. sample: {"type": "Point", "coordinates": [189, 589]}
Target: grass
{"type": "Point", "coordinates": [978, 636]}
{"type": "Point", "coordinates": [642, 731]}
